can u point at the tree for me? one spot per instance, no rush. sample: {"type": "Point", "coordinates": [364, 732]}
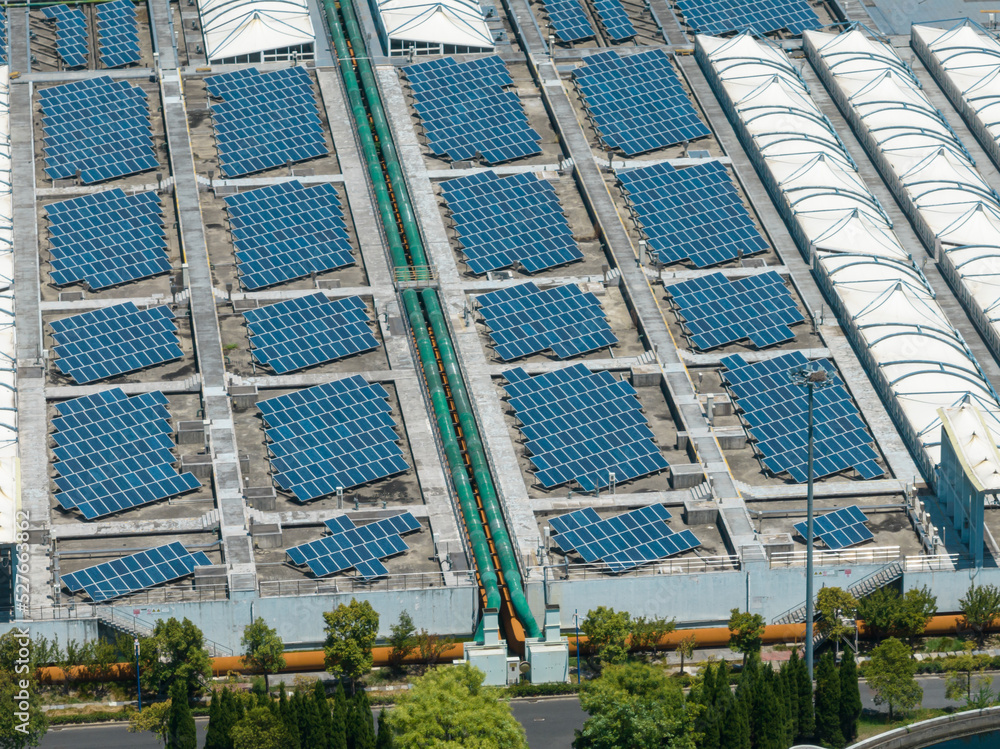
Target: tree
{"type": "Point", "coordinates": [287, 716]}
{"type": "Point", "coordinates": [176, 651]}
{"type": "Point", "coordinates": [431, 647]}
{"type": "Point", "coordinates": [806, 723]}
{"type": "Point", "coordinates": [834, 605]}
{"type": "Point", "coordinates": [338, 719]}
{"type": "Point", "coordinates": [153, 719]}
{"type": "Point", "coordinates": [919, 607]}
{"type": "Point", "coordinates": [449, 707]}
{"type": "Point", "coordinates": [351, 630]}
{"type": "Point", "coordinates": [402, 640]}
{"type": "Point", "coordinates": [637, 706]}
{"type": "Point", "coordinates": [181, 732]}
{"type": "Point", "coordinates": [828, 702]}
{"type": "Point", "coordinates": [22, 721]}
{"type": "Point", "coordinates": [746, 632]}
{"type": "Point", "coordinates": [685, 648]}
{"type": "Point", "coordinates": [647, 633]}
{"type": "Point", "coordinates": [221, 719]}
{"type": "Point", "coordinates": [260, 728]}
{"type": "Point", "coordinates": [384, 739]}
{"type": "Point", "coordinates": [361, 728]}
{"type": "Point", "coordinates": [890, 676]}
{"type": "Point", "coordinates": [607, 631]}
{"type": "Point", "coordinates": [263, 650]}
{"type": "Point", "coordinates": [850, 697]}
{"type": "Point", "coordinates": [980, 609]}
{"type": "Point", "coordinates": [887, 613]}
{"type": "Point", "coordinates": [960, 680]}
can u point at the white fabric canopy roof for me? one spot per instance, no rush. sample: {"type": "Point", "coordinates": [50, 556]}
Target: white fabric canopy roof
{"type": "Point", "coordinates": [458, 22]}
{"type": "Point", "coordinates": [242, 27]}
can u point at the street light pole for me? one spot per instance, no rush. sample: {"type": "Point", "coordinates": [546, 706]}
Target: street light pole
{"type": "Point", "coordinates": [576, 619]}
{"type": "Point", "coordinates": [138, 680]}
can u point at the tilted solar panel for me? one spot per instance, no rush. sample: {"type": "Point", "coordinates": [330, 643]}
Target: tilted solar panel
{"type": "Point", "coordinates": [118, 33]}
{"type": "Point", "coordinates": [839, 529]}
{"type": "Point", "coordinates": [309, 330]}
{"type": "Point", "coordinates": [503, 222]}
{"type": "Point", "coordinates": [775, 411]}
{"type": "Point", "coordinates": [71, 34]}
{"type": "Point", "coordinates": [568, 19]}
{"type": "Point", "coordinates": [339, 434]}
{"type": "Point", "coordinates": [135, 572]}
{"type": "Point", "coordinates": [583, 427]}
{"type": "Point", "coordinates": [719, 17]}
{"type": "Point", "coordinates": [614, 19]}
{"type": "Point", "coordinates": [3, 37]}
{"type": "Point", "coordinates": [692, 214]}
{"type": "Point", "coordinates": [526, 320]}
{"type": "Point", "coordinates": [359, 547]}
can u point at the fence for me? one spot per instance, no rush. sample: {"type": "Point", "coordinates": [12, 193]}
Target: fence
{"type": "Point", "coordinates": [406, 581]}
{"type": "Point", "coordinates": [827, 558]}
{"type": "Point", "coordinates": [692, 566]}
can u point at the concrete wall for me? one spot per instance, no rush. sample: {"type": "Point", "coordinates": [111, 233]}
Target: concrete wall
{"type": "Point", "coordinates": [929, 732]}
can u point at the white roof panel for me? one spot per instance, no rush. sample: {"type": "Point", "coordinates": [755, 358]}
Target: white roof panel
{"type": "Point", "coordinates": [458, 22]}
{"type": "Point", "coordinates": [242, 27]}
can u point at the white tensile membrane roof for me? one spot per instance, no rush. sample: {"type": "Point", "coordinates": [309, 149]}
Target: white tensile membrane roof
{"type": "Point", "coordinates": [889, 303]}
{"type": "Point", "coordinates": [458, 22]}
{"type": "Point", "coordinates": [8, 352]}
{"type": "Point", "coordinates": [241, 27]}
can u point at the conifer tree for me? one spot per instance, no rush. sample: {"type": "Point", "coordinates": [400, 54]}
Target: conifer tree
{"type": "Point", "coordinates": [323, 713]}
{"type": "Point", "coordinates": [181, 733]}
{"type": "Point", "coordinates": [707, 722]}
{"type": "Point", "coordinates": [385, 737]}
{"type": "Point", "coordinates": [828, 702]}
{"type": "Point", "coordinates": [850, 697]}
{"type": "Point", "coordinates": [338, 719]}
{"type": "Point", "coordinates": [212, 735]}
{"type": "Point", "coordinates": [791, 690]}
{"type": "Point", "coordinates": [360, 727]}
{"type": "Point", "coordinates": [807, 716]}
{"type": "Point", "coordinates": [287, 715]}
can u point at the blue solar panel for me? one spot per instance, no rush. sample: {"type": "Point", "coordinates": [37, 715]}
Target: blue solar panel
{"type": "Point", "coordinates": [340, 434]}
{"type": "Point", "coordinates": [764, 16]}
{"type": "Point", "coordinates": [114, 340]}
{"type": "Point", "coordinates": [139, 571]}
{"type": "Point", "coordinates": [839, 529]}
{"type": "Point", "coordinates": [526, 320]}
{"type": "Point", "coordinates": [775, 411]}
{"type": "Point", "coordinates": [637, 101]}
{"type": "Point", "coordinates": [118, 33]}
{"type": "Point", "coordinates": [623, 541]}
{"type": "Point", "coordinates": [71, 34]}
{"type": "Point", "coordinates": [466, 113]}
{"type": "Point", "coordinates": [614, 19]}
{"type": "Point", "coordinates": [309, 330]}
{"type": "Point", "coordinates": [692, 214]}
{"type": "Point", "coordinates": [265, 120]}
{"type": "Point", "coordinates": [717, 311]}
{"type": "Point", "coordinates": [509, 221]}
{"type": "Point", "coordinates": [568, 20]}
{"type": "Point", "coordinates": [3, 37]}
{"type": "Point", "coordinates": [358, 547]}
{"type": "Point", "coordinates": [114, 453]}
{"type": "Point", "coordinates": [287, 231]}
{"type": "Point", "coordinates": [107, 238]}
{"type": "Point", "coordinates": [98, 128]}
{"type": "Point", "coordinates": [582, 426]}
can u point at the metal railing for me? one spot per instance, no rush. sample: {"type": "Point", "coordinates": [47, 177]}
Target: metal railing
{"type": "Point", "coordinates": [935, 562]}
{"type": "Point", "coordinates": [692, 566]}
{"type": "Point", "coordinates": [827, 558]}
{"type": "Point", "coordinates": [406, 581]}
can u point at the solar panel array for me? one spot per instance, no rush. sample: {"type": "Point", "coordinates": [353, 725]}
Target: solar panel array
{"type": "Point", "coordinates": [3, 38]}
{"type": "Point", "coordinates": [265, 120]}
{"type": "Point", "coordinates": [507, 221]}
{"type": "Point", "coordinates": [114, 340]}
{"type": "Point", "coordinates": [71, 34]}
{"type": "Point", "coordinates": [136, 572]}
{"type": "Point", "coordinates": [717, 311]}
{"type": "Point", "coordinates": [624, 541]}
{"type": "Point", "coordinates": [113, 453]}
{"type": "Point", "coordinates": [525, 320]}
{"type": "Point", "coordinates": [614, 19]}
{"type": "Point", "coordinates": [309, 330]}
{"type": "Point", "coordinates": [97, 128]}
{"type": "Point", "coordinates": [118, 33]}
{"type": "Point", "coordinates": [839, 529]}
{"type": "Point", "coordinates": [637, 101]}
{"type": "Point", "coordinates": [358, 547]}
{"type": "Point", "coordinates": [568, 20]}
{"type": "Point", "coordinates": [287, 231]}
{"type": "Point", "coordinates": [107, 238]}
{"type": "Point", "coordinates": [692, 214]}
{"type": "Point", "coordinates": [582, 426]}
{"type": "Point", "coordinates": [467, 113]}
{"type": "Point", "coordinates": [775, 411]}
{"type": "Point", "coordinates": [339, 434]}
{"type": "Point", "coordinates": [723, 16]}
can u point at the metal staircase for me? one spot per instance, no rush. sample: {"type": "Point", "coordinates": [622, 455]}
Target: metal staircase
{"type": "Point", "coordinates": [136, 627]}
{"type": "Point", "coordinates": [879, 579]}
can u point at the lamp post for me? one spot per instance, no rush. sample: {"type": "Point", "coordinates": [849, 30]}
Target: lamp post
{"type": "Point", "coordinates": [138, 680]}
{"type": "Point", "coordinates": [810, 377]}
{"type": "Point", "coordinates": [576, 620]}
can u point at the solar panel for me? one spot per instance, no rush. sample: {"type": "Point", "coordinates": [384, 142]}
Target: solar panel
{"type": "Point", "coordinates": [71, 34]}
{"type": "Point", "coordinates": [637, 101]}
{"type": "Point", "coordinates": [113, 453]}
{"type": "Point", "coordinates": [265, 120]}
{"type": "Point", "coordinates": [583, 427]}
{"type": "Point", "coordinates": [3, 38]}
{"type": "Point", "coordinates": [118, 33]}
{"type": "Point", "coordinates": [624, 541]}
{"type": "Point", "coordinates": [467, 113]}
{"type": "Point", "coordinates": [358, 547]}
{"type": "Point", "coordinates": [96, 128]}
{"type": "Point", "coordinates": [107, 238]}
{"type": "Point", "coordinates": [114, 340]}
{"type": "Point", "coordinates": [718, 17]}
{"type": "Point", "coordinates": [339, 434]}
{"type": "Point", "coordinates": [309, 330]}
{"type": "Point", "coordinates": [776, 413]}
{"type": "Point", "coordinates": [614, 19]}
{"type": "Point", "coordinates": [145, 569]}
{"type": "Point", "coordinates": [287, 231]}
{"type": "Point", "coordinates": [839, 529]}
{"type": "Point", "coordinates": [526, 320]}
{"type": "Point", "coordinates": [717, 311]}
{"type": "Point", "coordinates": [692, 214]}
{"type": "Point", "coordinates": [509, 221]}
{"type": "Point", "coordinates": [568, 20]}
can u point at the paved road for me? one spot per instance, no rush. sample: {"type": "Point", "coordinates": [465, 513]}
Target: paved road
{"type": "Point", "coordinates": [933, 687]}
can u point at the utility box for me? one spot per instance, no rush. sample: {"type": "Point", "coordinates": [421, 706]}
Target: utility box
{"type": "Point", "coordinates": [686, 475]}
{"type": "Point", "coordinates": [190, 432]}
{"type": "Point", "coordinates": [244, 397]}
{"type": "Point", "coordinates": [262, 498]}
{"type": "Point", "coordinates": [548, 658]}
{"type": "Point", "coordinates": [645, 375]}
{"type": "Point", "coordinates": [700, 512]}
{"type": "Point", "coordinates": [490, 656]}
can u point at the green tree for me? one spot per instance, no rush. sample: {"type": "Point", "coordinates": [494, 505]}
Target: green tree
{"type": "Point", "coordinates": [324, 716]}
{"type": "Point", "coordinates": [850, 697]}
{"type": "Point", "coordinates": [175, 652]}
{"type": "Point", "coordinates": [685, 648]}
{"type": "Point", "coordinates": [361, 727]}
{"type": "Point", "coordinates": [287, 716]}
{"type": "Point", "coordinates": [22, 720]}
{"type": "Point", "coordinates": [221, 719]}
{"type": "Point", "coordinates": [384, 739]}
{"type": "Point", "coordinates": [919, 607]}
{"type": "Point", "coordinates": [181, 732]}
{"type": "Point", "coordinates": [402, 640]}
{"type": "Point", "coordinates": [449, 707]}
{"type": "Point", "coordinates": [890, 676]}
{"type": "Point", "coordinates": [263, 650]}
{"type": "Point", "coordinates": [888, 613]}
{"type": "Point", "coordinates": [834, 605]}
{"type": "Point", "coordinates": [153, 719]}
{"type": "Point", "coordinates": [338, 718]}
{"type": "Point", "coordinates": [260, 728]}
{"type": "Point", "coordinates": [746, 632]}
{"type": "Point", "coordinates": [648, 633]}
{"type": "Point", "coordinates": [607, 631]}
{"type": "Point", "coordinates": [828, 702]}
{"type": "Point", "coordinates": [351, 630]}
{"type": "Point", "coordinates": [806, 723]}
{"type": "Point", "coordinates": [980, 609]}
{"type": "Point", "coordinates": [431, 647]}
{"type": "Point", "coordinates": [961, 679]}
{"type": "Point", "coordinates": [637, 706]}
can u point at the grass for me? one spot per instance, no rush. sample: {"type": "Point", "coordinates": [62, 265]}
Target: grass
{"type": "Point", "coordinates": [872, 723]}
{"type": "Point", "coordinates": [943, 644]}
